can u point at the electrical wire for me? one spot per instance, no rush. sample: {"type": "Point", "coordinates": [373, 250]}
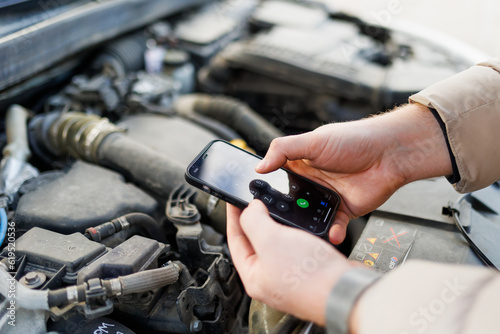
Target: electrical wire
{"type": "Point", "coordinates": [3, 225]}
{"type": "Point", "coordinates": [475, 248]}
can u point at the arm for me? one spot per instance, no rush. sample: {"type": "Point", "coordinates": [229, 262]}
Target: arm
{"type": "Point", "coordinates": [469, 105]}
{"type": "Point", "coordinates": [453, 299]}
{"type": "Point", "coordinates": [365, 161]}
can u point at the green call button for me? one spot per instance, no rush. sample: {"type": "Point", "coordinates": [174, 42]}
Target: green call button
{"type": "Point", "coordinates": [302, 203]}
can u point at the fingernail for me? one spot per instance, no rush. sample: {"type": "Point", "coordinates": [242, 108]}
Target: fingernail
{"type": "Point", "coordinates": [261, 165]}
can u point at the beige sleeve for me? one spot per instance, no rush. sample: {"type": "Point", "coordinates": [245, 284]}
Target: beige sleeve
{"type": "Point", "coordinates": [424, 297]}
{"type": "Point", "coordinates": [469, 105]}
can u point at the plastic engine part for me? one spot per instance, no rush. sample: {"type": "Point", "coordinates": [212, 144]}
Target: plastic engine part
{"type": "Point", "coordinates": [134, 255]}
{"type": "Point", "coordinates": [51, 251]}
{"type": "Point", "coordinates": [85, 196]}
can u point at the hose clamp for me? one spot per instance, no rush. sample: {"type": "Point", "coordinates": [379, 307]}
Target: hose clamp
{"type": "Point", "coordinates": [116, 287]}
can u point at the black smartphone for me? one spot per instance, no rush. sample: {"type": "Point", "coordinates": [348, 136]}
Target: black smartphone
{"type": "Point", "coordinates": [228, 172]}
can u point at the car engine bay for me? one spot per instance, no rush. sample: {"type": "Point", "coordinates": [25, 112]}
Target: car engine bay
{"type": "Point", "coordinates": [99, 228]}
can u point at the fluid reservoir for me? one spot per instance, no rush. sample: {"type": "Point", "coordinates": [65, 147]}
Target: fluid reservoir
{"type": "Point", "coordinates": [177, 65]}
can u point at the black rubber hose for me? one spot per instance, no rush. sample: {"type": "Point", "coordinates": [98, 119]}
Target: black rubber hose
{"type": "Point", "coordinates": [123, 55]}
{"type": "Point", "coordinates": [256, 130]}
{"type": "Point", "coordinates": [152, 171]}
{"type": "Point", "coordinates": [144, 166]}
{"type": "Point", "coordinates": [135, 219]}
{"type": "Point", "coordinates": [147, 223]}
{"type": "Point", "coordinates": [119, 237]}
{"type": "Point", "coordinates": [59, 297]}
{"type": "Point", "coordinates": [94, 139]}
{"type": "Point", "coordinates": [219, 129]}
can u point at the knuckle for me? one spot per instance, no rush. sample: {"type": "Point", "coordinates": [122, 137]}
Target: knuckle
{"type": "Point", "coordinates": [245, 216]}
{"type": "Point", "coordinates": [247, 219]}
{"type": "Point", "coordinates": [252, 290]}
{"type": "Point", "coordinates": [279, 143]}
{"type": "Point", "coordinates": [276, 143]}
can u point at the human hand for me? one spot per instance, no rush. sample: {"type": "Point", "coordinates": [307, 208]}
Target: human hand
{"type": "Point", "coordinates": [284, 267]}
{"type": "Point", "coordinates": [365, 161]}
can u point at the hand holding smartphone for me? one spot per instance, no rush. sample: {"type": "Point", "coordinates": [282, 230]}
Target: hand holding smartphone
{"type": "Point", "coordinates": [228, 172]}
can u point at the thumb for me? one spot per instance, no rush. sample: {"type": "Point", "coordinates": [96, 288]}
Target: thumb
{"type": "Point", "coordinates": [338, 230]}
{"type": "Point", "coordinates": [283, 149]}
{"type": "Point", "coordinates": [258, 226]}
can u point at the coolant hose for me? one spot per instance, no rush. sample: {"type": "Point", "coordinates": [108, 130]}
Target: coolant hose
{"type": "Point", "coordinates": [256, 130]}
{"type": "Point", "coordinates": [24, 297]}
{"type": "Point", "coordinates": [142, 164]}
{"type": "Point", "coordinates": [95, 139]}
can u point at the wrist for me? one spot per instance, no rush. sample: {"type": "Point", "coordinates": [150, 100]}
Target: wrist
{"type": "Point", "coordinates": [418, 149]}
{"type": "Point", "coordinates": [315, 301]}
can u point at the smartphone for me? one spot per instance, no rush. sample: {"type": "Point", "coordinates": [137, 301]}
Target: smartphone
{"type": "Point", "coordinates": [228, 172]}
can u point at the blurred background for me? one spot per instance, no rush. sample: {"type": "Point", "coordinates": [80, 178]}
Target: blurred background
{"type": "Point", "coordinates": [470, 21]}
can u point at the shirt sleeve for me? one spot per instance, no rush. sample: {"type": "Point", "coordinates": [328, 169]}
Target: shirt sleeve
{"type": "Point", "coordinates": [424, 297]}
{"type": "Point", "coordinates": [469, 105]}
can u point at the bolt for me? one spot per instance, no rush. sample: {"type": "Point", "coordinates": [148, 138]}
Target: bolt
{"type": "Point", "coordinates": [196, 326]}
{"type": "Point", "coordinates": [32, 278]}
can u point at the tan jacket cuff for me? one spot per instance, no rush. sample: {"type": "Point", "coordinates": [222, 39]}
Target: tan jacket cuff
{"type": "Point", "coordinates": [469, 105]}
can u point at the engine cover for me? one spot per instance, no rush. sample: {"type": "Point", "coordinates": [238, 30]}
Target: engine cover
{"type": "Point", "coordinates": [83, 197]}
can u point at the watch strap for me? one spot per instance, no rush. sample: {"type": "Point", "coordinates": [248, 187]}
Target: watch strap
{"type": "Point", "coordinates": [343, 297]}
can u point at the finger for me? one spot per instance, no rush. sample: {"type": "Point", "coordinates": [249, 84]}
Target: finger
{"type": "Point", "coordinates": [339, 228]}
{"type": "Point", "coordinates": [241, 249]}
{"type": "Point", "coordinates": [283, 149]}
{"type": "Point", "coordinates": [233, 216]}
{"type": "Point", "coordinates": [258, 226]}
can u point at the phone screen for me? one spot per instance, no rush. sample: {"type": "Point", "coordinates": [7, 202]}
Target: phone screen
{"type": "Point", "coordinates": [228, 172]}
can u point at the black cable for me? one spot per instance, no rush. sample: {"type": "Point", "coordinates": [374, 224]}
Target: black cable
{"type": "Point", "coordinates": [472, 244]}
